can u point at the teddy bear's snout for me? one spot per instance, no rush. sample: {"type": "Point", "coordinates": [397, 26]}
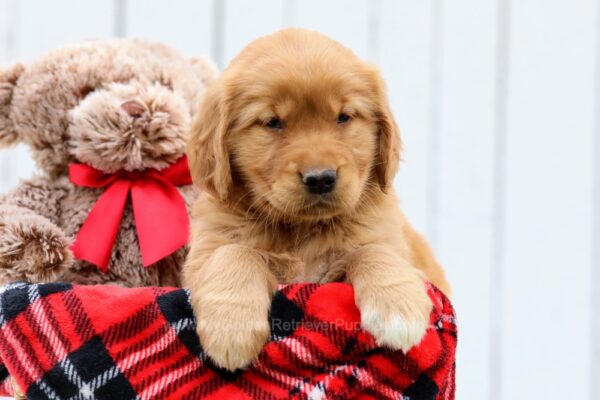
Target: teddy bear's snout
{"type": "Point", "coordinates": [134, 108]}
{"type": "Point", "coordinates": [129, 127]}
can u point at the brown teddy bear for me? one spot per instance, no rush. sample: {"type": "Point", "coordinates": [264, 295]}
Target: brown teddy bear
{"type": "Point", "coordinates": [106, 122]}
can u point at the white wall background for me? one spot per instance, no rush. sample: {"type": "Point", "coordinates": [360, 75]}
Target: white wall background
{"type": "Point", "coordinates": [499, 104]}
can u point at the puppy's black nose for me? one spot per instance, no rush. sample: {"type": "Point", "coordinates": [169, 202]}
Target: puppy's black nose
{"type": "Point", "coordinates": [319, 181]}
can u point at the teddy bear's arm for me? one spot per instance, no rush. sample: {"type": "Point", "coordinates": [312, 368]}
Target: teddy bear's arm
{"type": "Point", "coordinates": [39, 195]}
{"type": "Point", "coordinates": [32, 247]}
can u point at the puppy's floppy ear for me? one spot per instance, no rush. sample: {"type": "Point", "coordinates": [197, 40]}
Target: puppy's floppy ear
{"type": "Point", "coordinates": [390, 144]}
{"type": "Point", "coordinates": [207, 150]}
{"type": "Point", "coordinates": [8, 82]}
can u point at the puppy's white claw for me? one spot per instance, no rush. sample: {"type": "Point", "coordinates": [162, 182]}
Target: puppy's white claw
{"type": "Point", "coordinates": [394, 331]}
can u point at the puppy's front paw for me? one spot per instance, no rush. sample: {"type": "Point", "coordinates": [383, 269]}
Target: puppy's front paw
{"type": "Point", "coordinates": [235, 342]}
{"type": "Point", "coordinates": [396, 315]}
{"type": "Point", "coordinates": [17, 392]}
{"type": "Point", "coordinates": [233, 333]}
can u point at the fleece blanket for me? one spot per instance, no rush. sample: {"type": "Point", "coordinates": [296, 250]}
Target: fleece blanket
{"type": "Point", "coordinates": [61, 341]}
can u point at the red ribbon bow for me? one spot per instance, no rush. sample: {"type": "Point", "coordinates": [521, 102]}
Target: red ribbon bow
{"type": "Point", "coordinates": [159, 210]}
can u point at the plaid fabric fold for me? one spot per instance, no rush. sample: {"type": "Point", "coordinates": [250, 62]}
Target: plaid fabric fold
{"type": "Point", "coordinates": [60, 341]}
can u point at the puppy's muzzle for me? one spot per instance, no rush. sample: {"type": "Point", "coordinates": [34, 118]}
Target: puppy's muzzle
{"type": "Point", "coordinates": [319, 181]}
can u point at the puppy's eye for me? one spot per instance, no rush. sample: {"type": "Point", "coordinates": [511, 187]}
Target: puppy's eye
{"type": "Point", "coordinates": [343, 118]}
{"type": "Point", "coordinates": [274, 124]}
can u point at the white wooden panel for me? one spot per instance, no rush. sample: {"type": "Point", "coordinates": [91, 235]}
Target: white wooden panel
{"type": "Point", "coordinates": [439, 63]}
{"type": "Point", "coordinates": [15, 162]}
{"type": "Point", "coordinates": [45, 25]}
{"type": "Point", "coordinates": [343, 21]}
{"type": "Point", "coordinates": [5, 31]}
{"type": "Point", "coordinates": [546, 349]}
{"type": "Point", "coordinates": [404, 59]}
{"type": "Point", "coordinates": [6, 41]}
{"type": "Point", "coordinates": [498, 254]}
{"type": "Point", "coordinates": [248, 20]}
{"type": "Point", "coordinates": [434, 151]}
{"type": "Point", "coordinates": [595, 283]}
{"type": "Point", "coordinates": [466, 184]}
{"type": "Point", "coordinates": [185, 24]}
{"type": "Point", "coordinates": [289, 12]}
{"type": "Point", "coordinates": [38, 27]}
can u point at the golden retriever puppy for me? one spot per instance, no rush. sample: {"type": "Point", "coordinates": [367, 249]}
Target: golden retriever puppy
{"type": "Point", "coordinates": [295, 148]}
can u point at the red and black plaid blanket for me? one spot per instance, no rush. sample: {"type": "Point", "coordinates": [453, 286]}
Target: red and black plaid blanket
{"type": "Point", "coordinates": [60, 341]}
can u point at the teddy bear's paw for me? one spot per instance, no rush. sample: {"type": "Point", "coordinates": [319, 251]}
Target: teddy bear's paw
{"type": "Point", "coordinates": [32, 249]}
{"type": "Point", "coordinates": [396, 315]}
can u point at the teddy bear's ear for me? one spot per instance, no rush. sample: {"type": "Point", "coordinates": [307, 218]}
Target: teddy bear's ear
{"type": "Point", "coordinates": [8, 82]}
{"type": "Point", "coordinates": [206, 70]}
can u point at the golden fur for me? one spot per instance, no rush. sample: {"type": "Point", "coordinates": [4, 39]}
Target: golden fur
{"type": "Point", "coordinates": [278, 111]}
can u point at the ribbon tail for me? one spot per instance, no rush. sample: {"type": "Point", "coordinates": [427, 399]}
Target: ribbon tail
{"type": "Point", "coordinates": [161, 218]}
{"type": "Point", "coordinates": [95, 240]}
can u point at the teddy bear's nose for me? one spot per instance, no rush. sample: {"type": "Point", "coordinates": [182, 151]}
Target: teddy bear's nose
{"type": "Point", "coordinates": [133, 108]}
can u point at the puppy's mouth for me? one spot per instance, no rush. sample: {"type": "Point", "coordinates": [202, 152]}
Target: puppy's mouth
{"type": "Point", "coordinates": [321, 201]}
{"type": "Point", "coordinates": [315, 207]}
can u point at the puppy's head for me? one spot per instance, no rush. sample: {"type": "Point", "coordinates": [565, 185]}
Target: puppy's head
{"type": "Point", "coordinates": [296, 126]}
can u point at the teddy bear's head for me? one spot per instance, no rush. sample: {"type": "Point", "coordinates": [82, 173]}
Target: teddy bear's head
{"type": "Point", "coordinates": [114, 104]}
